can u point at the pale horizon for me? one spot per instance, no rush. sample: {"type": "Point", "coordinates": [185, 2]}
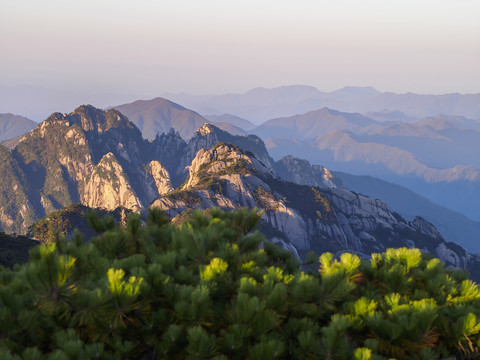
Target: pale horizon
{"type": "Point", "coordinates": [214, 47]}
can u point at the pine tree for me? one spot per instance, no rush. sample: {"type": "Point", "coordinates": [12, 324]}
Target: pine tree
{"type": "Point", "coordinates": [213, 288]}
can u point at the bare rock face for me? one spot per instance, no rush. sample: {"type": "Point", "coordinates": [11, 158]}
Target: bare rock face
{"type": "Point", "coordinates": [171, 151]}
{"type": "Point", "coordinates": [107, 187]}
{"type": "Point", "coordinates": [302, 172]}
{"type": "Point", "coordinates": [209, 135]}
{"type": "Point", "coordinates": [161, 177]}
{"type": "Point", "coordinates": [89, 156]}
{"type": "Point", "coordinates": [222, 159]}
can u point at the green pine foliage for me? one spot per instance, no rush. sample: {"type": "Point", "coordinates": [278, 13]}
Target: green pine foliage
{"type": "Point", "coordinates": [212, 288]}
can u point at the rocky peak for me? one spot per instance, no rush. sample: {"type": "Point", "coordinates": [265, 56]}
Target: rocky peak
{"type": "Point", "coordinates": [161, 177]}
{"type": "Point", "coordinates": [223, 159]}
{"type": "Point", "coordinates": [209, 135]}
{"type": "Point", "coordinates": [93, 156]}
{"type": "Point", "coordinates": [171, 150]}
{"type": "Point", "coordinates": [90, 119]}
{"type": "Point", "coordinates": [206, 129]}
{"type": "Point", "coordinates": [301, 172]}
{"type": "Point", "coordinates": [108, 187]}
{"type": "Point", "coordinates": [425, 227]}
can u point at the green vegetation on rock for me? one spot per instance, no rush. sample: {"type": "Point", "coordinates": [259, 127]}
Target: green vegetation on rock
{"type": "Point", "coordinates": [64, 222]}
{"type": "Point", "coordinates": [306, 199]}
{"type": "Point", "coordinates": [189, 197]}
{"type": "Point", "coordinates": [213, 289]}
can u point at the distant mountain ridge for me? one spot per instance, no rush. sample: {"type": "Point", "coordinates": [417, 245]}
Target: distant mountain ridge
{"type": "Point", "coordinates": [260, 104]}
{"type": "Point", "coordinates": [159, 115]}
{"type": "Point", "coordinates": [256, 105]}
{"type": "Point", "coordinates": [312, 124]}
{"type": "Point", "coordinates": [232, 119]}
{"type": "Point", "coordinates": [12, 126]}
{"type": "Point", "coordinates": [435, 156]}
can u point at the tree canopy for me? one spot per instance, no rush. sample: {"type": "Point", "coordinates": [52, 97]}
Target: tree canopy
{"type": "Point", "coordinates": [213, 288]}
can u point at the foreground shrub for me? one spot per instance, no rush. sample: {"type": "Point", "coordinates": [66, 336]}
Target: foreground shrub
{"type": "Point", "coordinates": [210, 290]}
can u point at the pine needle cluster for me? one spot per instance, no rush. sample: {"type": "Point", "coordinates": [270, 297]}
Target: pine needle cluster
{"type": "Point", "coordinates": [213, 288]}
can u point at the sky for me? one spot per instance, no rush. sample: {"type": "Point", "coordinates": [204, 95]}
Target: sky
{"type": "Point", "coordinates": [212, 47]}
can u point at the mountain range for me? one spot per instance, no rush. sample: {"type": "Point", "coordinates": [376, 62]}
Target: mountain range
{"type": "Point", "coordinates": [99, 159]}
{"type": "Point", "coordinates": [313, 124]}
{"type": "Point", "coordinates": [434, 156]}
{"type": "Point", "coordinates": [256, 105]}
{"type": "Point", "coordinates": [261, 104]}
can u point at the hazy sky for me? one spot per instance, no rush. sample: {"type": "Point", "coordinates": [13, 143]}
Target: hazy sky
{"type": "Point", "coordinates": [206, 47]}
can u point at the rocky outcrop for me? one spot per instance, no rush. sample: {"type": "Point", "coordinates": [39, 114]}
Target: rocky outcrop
{"type": "Point", "coordinates": [161, 177]}
{"type": "Point", "coordinates": [302, 172]}
{"type": "Point", "coordinates": [92, 156]}
{"type": "Point", "coordinates": [209, 135]}
{"type": "Point", "coordinates": [172, 152]}
{"type": "Point", "coordinates": [107, 187]}
{"type": "Point", "coordinates": [301, 217]}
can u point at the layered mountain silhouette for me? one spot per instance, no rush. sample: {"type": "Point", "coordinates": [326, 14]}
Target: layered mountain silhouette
{"type": "Point", "coordinates": [231, 119]}
{"type": "Point", "coordinates": [260, 104]}
{"type": "Point", "coordinates": [99, 159]}
{"type": "Point", "coordinates": [256, 105]}
{"type": "Point", "coordinates": [314, 124]}
{"type": "Point", "coordinates": [434, 156]}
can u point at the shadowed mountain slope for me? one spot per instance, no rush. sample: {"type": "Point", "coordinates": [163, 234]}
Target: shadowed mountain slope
{"type": "Point", "coordinates": [12, 126]}
{"type": "Point", "coordinates": [313, 124]}
{"type": "Point", "coordinates": [453, 225]}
